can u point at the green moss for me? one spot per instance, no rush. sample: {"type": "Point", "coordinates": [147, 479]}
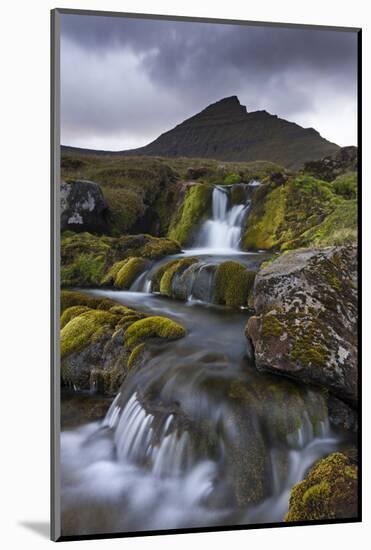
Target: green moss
{"type": "Point", "coordinates": [272, 327]}
{"type": "Point", "coordinates": [157, 248]}
{"type": "Point", "coordinates": [302, 212]}
{"type": "Point", "coordinates": [233, 284]}
{"type": "Point", "coordinates": [70, 313]}
{"type": "Point", "coordinates": [129, 272]}
{"type": "Point", "coordinates": [346, 185]}
{"type": "Point", "coordinates": [157, 276]}
{"type": "Point", "coordinates": [264, 221]}
{"type": "Point", "coordinates": [151, 327]}
{"type": "Point", "coordinates": [328, 492]}
{"type": "Point", "coordinates": [125, 208]}
{"type": "Point", "coordinates": [72, 298]}
{"type": "Point", "coordinates": [85, 270]}
{"type": "Point", "coordinates": [315, 494]}
{"type": "Point", "coordinates": [169, 272]}
{"type": "Point", "coordinates": [129, 184]}
{"type": "Point", "coordinates": [89, 260]}
{"type": "Point", "coordinates": [338, 228]}
{"type": "Point", "coordinates": [195, 208]}
{"type": "Point", "coordinates": [134, 355]}
{"type": "Point", "coordinates": [110, 277]}
{"type": "Point", "coordinates": [308, 352]}
{"type": "Point", "coordinates": [79, 331]}
{"type": "Point", "coordinates": [231, 179]}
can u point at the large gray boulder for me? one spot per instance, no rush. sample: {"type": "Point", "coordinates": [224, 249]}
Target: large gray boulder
{"type": "Point", "coordinates": [83, 207]}
{"type": "Point", "coordinates": [305, 325]}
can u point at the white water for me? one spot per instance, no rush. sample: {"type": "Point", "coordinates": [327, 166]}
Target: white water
{"type": "Point", "coordinates": [222, 233]}
{"type": "Point", "coordinates": [145, 465]}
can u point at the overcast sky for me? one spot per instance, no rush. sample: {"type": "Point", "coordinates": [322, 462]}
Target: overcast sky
{"type": "Point", "coordinates": [126, 81]}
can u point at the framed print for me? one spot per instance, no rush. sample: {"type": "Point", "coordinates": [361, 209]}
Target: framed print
{"type": "Point", "coordinates": [205, 250]}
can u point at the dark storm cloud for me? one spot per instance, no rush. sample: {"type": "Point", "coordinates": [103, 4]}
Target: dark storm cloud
{"type": "Point", "coordinates": [130, 80]}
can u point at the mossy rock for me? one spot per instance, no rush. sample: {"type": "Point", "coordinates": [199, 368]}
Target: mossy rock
{"type": "Point", "coordinates": [91, 261]}
{"type": "Point", "coordinates": [301, 211]}
{"type": "Point", "coordinates": [129, 272]}
{"type": "Point", "coordinates": [171, 270]}
{"type": "Point", "coordinates": [265, 218]}
{"type": "Point", "coordinates": [157, 276]}
{"type": "Point", "coordinates": [71, 313]}
{"type": "Point", "coordinates": [79, 331]}
{"type": "Point", "coordinates": [71, 298]}
{"type": "Point", "coordinates": [195, 208]}
{"type": "Point", "coordinates": [85, 270]}
{"type": "Point", "coordinates": [329, 491]}
{"type": "Point", "coordinates": [231, 179]}
{"type": "Point", "coordinates": [110, 277]}
{"type": "Point", "coordinates": [305, 322]}
{"type": "Point", "coordinates": [153, 327]}
{"type": "Point", "coordinates": [233, 284]}
{"type": "Point", "coordinates": [135, 354]}
{"type": "Point", "coordinates": [101, 340]}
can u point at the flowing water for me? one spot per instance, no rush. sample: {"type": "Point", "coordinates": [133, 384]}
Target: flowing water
{"type": "Point", "coordinates": [223, 230]}
{"type": "Point", "coordinates": [196, 437]}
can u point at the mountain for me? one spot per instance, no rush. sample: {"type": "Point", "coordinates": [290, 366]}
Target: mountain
{"type": "Point", "coordinates": [227, 132]}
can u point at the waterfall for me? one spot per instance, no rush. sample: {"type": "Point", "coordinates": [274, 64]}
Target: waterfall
{"type": "Point", "coordinates": [223, 230]}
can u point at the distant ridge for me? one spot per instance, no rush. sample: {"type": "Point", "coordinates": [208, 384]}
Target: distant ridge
{"type": "Point", "coordinates": [226, 131]}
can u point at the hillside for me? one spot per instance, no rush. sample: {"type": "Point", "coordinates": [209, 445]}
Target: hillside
{"type": "Point", "coordinates": [227, 132]}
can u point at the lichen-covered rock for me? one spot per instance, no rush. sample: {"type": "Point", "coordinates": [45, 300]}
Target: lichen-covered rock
{"type": "Point", "coordinates": [83, 207]}
{"type": "Point", "coordinates": [101, 340]}
{"type": "Point", "coordinates": [305, 325]}
{"type": "Point", "coordinates": [329, 491]}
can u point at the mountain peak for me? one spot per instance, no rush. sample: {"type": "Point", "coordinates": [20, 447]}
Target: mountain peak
{"type": "Point", "coordinates": [224, 130]}
{"type": "Point", "coordinates": [225, 106]}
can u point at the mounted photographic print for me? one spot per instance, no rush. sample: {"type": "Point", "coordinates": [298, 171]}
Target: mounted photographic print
{"type": "Point", "coordinates": [205, 192]}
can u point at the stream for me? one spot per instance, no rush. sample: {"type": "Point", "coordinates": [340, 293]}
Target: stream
{"type": "Point", "coordinates": [196, 437]}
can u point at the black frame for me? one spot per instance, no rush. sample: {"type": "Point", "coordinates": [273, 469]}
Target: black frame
{"type": "Point", "coordinates": [55, 144]}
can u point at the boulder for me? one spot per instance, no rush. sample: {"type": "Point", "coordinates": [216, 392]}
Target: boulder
{"type": "Point", "coordinates": [329, 491]}
{"type": "Point", "coordinates": [305, 323]}
{"type": "Point", "coordinates": [102, 340]}
{"type": "Point", "coordinates": [83, 207]}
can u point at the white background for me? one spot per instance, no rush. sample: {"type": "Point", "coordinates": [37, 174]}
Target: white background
{"type": "Point", "coordinates": [24, 256]}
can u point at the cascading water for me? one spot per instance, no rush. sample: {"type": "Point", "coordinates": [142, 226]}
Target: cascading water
{"type": "Point", "coordinates": [223, 230]}
{"type": "Point", "coordinates": [194, 432]}
{"type": "Point", "coordinates": [196, 436]}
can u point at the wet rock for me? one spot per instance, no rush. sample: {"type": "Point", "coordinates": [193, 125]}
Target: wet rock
{"type": "Point", "coordinates": [79, 409]}
{"type": "Point", "coordinates": [305, 325]}
{"type": "Point", "coordinates": [341, 415]}
{"type": "Point", "coordinates": [83, 207]}
{"type": "Point", "coordinates": [329, 491]}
